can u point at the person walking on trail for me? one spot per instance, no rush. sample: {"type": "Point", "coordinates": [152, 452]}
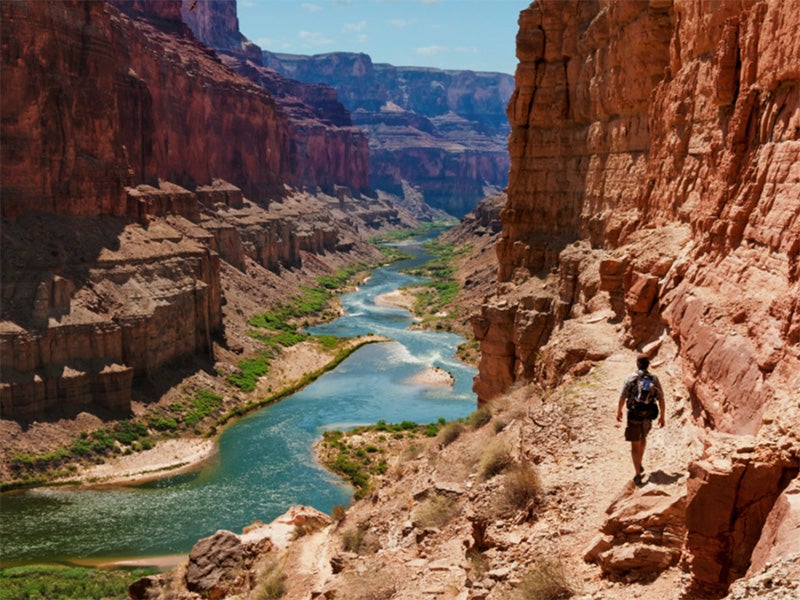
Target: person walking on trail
{"type": "Point", "coordinates": [644, 398]}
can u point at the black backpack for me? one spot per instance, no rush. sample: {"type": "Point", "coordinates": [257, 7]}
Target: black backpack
{"type": "Point", "coordinates": [642, 396]}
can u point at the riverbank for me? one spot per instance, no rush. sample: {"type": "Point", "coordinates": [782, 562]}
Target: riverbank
{"type": "Point", "coordinates": [294, 368]}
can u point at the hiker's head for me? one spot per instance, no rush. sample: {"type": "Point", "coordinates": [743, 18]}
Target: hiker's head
{"type": "Point", "coordinates": [642, 362]}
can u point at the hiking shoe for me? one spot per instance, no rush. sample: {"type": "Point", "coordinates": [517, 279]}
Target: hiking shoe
{"type": "Point", "coordinates": [637, 479]}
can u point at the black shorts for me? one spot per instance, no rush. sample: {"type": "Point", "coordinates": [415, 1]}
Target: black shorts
{"type": "Point", "coordinates": [636, 431]}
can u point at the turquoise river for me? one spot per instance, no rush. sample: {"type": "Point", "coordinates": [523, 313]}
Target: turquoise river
{"type": "Point", "coordinates": [265, 461]}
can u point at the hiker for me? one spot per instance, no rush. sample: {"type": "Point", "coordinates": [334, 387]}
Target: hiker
{"type": "Point", "coordinates": [640, 393]}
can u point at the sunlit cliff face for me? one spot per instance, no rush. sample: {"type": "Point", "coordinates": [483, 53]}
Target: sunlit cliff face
{"type": "Point", "coordinates": [654, 154]}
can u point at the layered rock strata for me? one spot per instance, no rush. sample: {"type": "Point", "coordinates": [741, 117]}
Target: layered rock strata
{"type": "Point", "coordinates": [442, 132]}
{"type": "Point", "coordinates": [129, 151]}
{"type": "Point", "coordinates": [325, 149]}
{"type": "Point", "coordinates": [654, 183]}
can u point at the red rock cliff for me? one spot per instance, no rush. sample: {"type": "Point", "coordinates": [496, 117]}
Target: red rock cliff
{"type": "Point", "coordinates": [109, 270]}
{"type": "Point", "coordinates": [324, 148]}
{"type": "Point", "coordinates": [655, 181]}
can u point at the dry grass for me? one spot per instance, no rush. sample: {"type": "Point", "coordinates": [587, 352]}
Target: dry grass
{"type": "Point", "coordinates": [271, 582]}
{"type": "Point", "coordinates": [480, 417]}
{"type": "Point", "coordinates": [360, 540]}
{"type": "Point", "coordinates": [522, 487]}
{"type": "Point", "coordinates": [450, 432]}
{"type": "Point", "coordinates": [435, 511]}
{"type": "Point", "coordinates": [544, 580]}
{"type": "Point", "coordinates": [495, 460]}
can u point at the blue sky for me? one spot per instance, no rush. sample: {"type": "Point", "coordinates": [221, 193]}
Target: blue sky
{"type": "Point", "coordinates": [447, 34]}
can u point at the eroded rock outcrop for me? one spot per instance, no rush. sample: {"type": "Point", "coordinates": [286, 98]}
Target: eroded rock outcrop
{"type": "Point", "coordinates": [654, 184]}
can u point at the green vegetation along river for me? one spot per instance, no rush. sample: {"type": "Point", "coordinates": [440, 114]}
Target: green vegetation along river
{"type": "Point", "coordinates": [265, 461]}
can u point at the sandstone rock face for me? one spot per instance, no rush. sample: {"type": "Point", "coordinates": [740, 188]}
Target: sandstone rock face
{"type": "Point", "coordinates": [59, 153]}
{"type": "Point", "coordinates": [108, 99]}
{"type": "Point", "coordinates": [654, 174]}
{"type": "Point", "coordinates": [128, 148]}
{"type": "Point", "coordinates": [323, 147]}
{"type": "Point", "coordinates": [444, 132]}
{"type": "Point", "coordinates": [127, 301]}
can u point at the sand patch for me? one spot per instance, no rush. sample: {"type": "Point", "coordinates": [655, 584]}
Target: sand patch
{"type": "Point", "coordinates": [168, 457]}
{"type": "Point", "coordinates": [397, 298]}
{"type": "Point", "coordinates": [434, 376]}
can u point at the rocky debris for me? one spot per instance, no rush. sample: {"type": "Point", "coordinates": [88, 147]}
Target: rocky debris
{"type": "Point", "coordinates": [776, 581]}
{"type": "Point", "coordinates": [644, 532]}
{"type": "Point", "coordinates": [225, 564]}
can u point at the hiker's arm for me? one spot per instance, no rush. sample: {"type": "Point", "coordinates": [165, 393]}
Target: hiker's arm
{"type": "Point", "coordinates": [619, 407]}
{"type": "Point", "coordinates": [661, 411]}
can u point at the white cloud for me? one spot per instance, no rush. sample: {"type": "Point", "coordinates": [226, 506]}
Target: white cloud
{"type": "Point", "coordinates": [355, 26]}
{"type": "Point", "coordinates": [308, 6]}
{"type": "Point", "coordinates": [247, 4]}
{"type": "Point", "coordinates": [431, 50]}
{"type": "Point", "coordinates": [265, 43]}
{"type": "Point", "coordinates": [362, 38]}
{"type": "Point", "coordinates": [314, 38]}
{"type": "Point", "coordinates": [431, 1]}
{"type": "Point", "coordinates": [399, 23]}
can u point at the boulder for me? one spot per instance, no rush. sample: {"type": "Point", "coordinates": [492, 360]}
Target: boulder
{"type": "Point", "coordinates": [214, 564]}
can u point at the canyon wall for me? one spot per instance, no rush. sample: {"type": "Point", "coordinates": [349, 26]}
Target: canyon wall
{"type": "Point", "coordinates": [655, 183]}
{"type": "Point", "coordinates": [136, 166]}
{"type": "Point", "coordinates": [443, 132]}
{"type": "Point", "coordinates": [325, 149]}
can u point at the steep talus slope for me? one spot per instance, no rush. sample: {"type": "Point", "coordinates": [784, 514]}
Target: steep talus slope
{"type": "Point", "coordinates": [654, 183]}
{"type": "Point", "coordinates": [136, 167]}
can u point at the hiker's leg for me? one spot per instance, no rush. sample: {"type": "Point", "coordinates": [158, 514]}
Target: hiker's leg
{"type": "Point", "coordinates": [637, 452]}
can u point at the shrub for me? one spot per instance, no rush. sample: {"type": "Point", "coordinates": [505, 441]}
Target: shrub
{"type": "Point", "coordinates": [545, 580]}
{"type": "Point", "coordinates": [328, 342]}
{"type": "Point", "coordinates": [201, 405]}
{"type": "Point", "coordinates": [450, 432]}
{"type": "Point", "coordinates": [338, 513]}
{"type": "Point", "coordinates": [496, 460]}
{"type": "Point", "coordinates": [272, 582]}
{"type": "Point", "coordinates": [67, 582]}
{"type": "Point", "coordinates": [249, 372]}
{"type": "Point", "coordinates": [480, 417]}
{"type": "Point", "coordinates": [435, 511]}
{"type": "Point", "coordinates": [161, 423]}
{"type": "Point", "coordinates": [359, 540]}
{"type": "Point", "coordinates": [431, 430]}
{"type": "Point", "coordinates": [522, 486]}
{"type": "Point", "coordinates": [81, 447]}
{"type": "Point", "coordinates": [126, 432]}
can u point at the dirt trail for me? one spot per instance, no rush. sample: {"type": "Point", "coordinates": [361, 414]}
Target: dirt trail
{"type": "Point", "coordinates": [594, 466]}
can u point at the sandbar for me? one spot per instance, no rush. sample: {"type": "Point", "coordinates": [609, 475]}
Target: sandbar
{"type": "Point", "coordinates": [397, 298]}
{"type": "Point", "coordinates": [433, 376]}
